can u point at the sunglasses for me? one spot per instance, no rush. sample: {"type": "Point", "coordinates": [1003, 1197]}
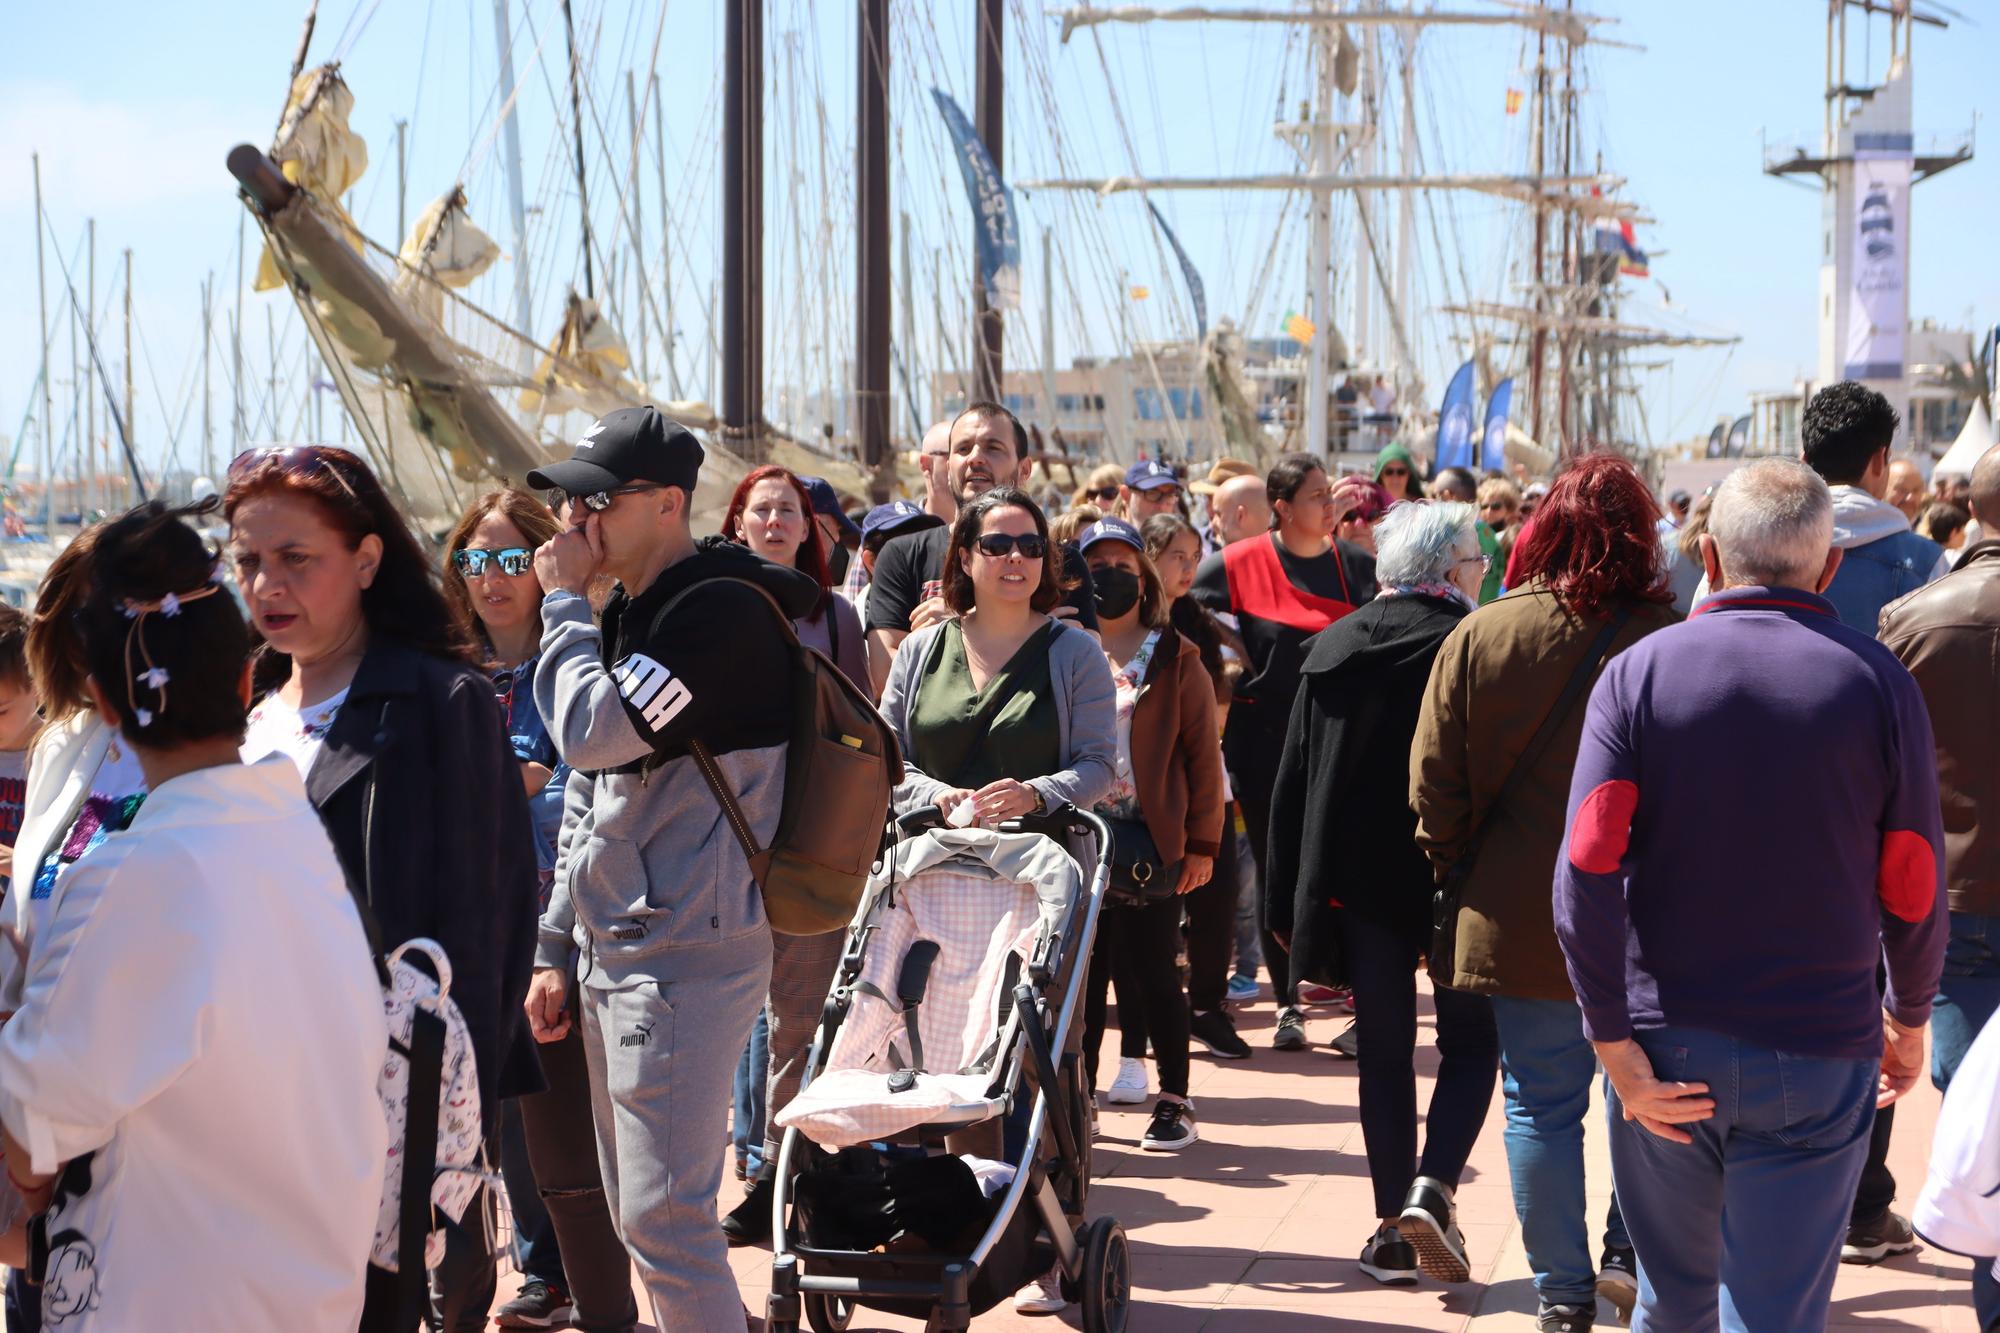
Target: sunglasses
{"type": "Point", "coordinates": [1104, 493]}
{"type": "Point", "coordinates": [514, 561]}
{"type": "Point", "coordinates": [300, 458]}
{"type": "Point", "coordinates": [996, 545]}
{"type": "Point", "coordinates": [1395, 472]}
{"type": "Point", "coordinates": [599, 501]}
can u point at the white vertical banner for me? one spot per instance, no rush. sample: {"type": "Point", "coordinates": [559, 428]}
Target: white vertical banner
{"type": "Point", "coordinates": [1878, 299]}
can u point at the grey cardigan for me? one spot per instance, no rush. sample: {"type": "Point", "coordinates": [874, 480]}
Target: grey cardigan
{"type": "Point", "coordinates": [1086, 713]}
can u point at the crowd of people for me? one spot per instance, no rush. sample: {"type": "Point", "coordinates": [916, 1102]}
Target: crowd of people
{"type": "Point", "coordinates": [1701, 795]}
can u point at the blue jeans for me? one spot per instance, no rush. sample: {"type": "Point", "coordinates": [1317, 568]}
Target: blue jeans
{"type": "Point", "coordinates": [1741, 1229]}
{"type": "Point", "coordinates": [1249, 939]}
{"type": "Point", "coordinates": [746, 1126]}
{"type": "Point", "coordinates": [1546, 1070]}
{"type": "Point", "coordinates": [1968, 993]}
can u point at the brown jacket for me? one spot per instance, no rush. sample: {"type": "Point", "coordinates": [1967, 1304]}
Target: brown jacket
{"type": "Point", "coordinates": [1494, 681]}
{"type": "Point", "coordinates": [1948, 635]}
{"type": "Point", "coordinates": [1177, 752]}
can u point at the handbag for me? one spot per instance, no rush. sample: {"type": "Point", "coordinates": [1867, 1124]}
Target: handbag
{"type": "Point", "coordinates": [1451, 886]}
{"type": "Point", "coordinates": [1138, 875]}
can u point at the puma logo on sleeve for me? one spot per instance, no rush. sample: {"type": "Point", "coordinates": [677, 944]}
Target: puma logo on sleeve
{"type": "Point", "coordinates": [652, 689]}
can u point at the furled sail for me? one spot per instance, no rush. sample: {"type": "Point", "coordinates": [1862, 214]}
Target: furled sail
{"type": "Point", "coordinates": [444, 249]}
{"type": "Point", "coordinates": [584, 368]}
{"type": "Point", "coordinates": [317, 152]}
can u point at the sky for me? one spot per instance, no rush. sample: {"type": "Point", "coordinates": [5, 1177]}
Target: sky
{"type": "Point", "coordinates": [132, 110]}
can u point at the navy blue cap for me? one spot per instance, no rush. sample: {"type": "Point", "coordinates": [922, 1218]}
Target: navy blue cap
{"type": "Point", "coordinates": [1148, 473]}
{"type": "Point", "coordinates": [1111, 530]}
{"type": "Point", "coordinates": [896, 518]}
{"type": "Point", "coordinates": [826, 502]}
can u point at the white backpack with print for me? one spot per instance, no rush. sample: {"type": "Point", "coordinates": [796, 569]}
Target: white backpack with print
{"type": "Point", "coordinates": [429, 1087]}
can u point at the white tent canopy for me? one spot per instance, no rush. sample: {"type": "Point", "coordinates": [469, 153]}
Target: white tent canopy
{"type": "Point", "coordinates": [1970, 446]}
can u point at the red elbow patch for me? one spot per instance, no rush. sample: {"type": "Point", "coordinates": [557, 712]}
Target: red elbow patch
{"type": "Point", "coordinates": [1907, 878]}
{"type": "Point", "coordinates": [1603, 827]}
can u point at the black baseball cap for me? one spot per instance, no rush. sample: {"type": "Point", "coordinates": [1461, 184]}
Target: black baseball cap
{"type": "Point", "coordinates": [628, 445]}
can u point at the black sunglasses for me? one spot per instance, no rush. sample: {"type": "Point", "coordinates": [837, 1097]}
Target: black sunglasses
{"type": "Point", "coordinates": [599, 501]}
{"type": "Point", "coordinates": [998, 544]}
{"type": "Point", "coordinates": [514, 561]}
{"type": "Point", "coordinates": [300, 458]}
{"type": "Point", "coordinates": [1103, 493]}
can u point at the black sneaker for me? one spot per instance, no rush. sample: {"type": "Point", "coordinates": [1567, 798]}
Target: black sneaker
{"type": "Point", "coordinates": [1291, 1033]}
{"type": "Point", "coordinates": [1172, 1128]}
{"type": "Point", "coordinates": [1872, 1242]}
{"type": "Point", "coordinates": [1618, 1280]}
{"type": "Point", "coordinates": [1565, 1318]}
{"type": "Point", "coordinates": [1429, 1226]}
{"type": "Point", "coordinates": [1217, 1032]}
{"type": "Point", "coordinates": [749, 1223]}
{"type": "Point", "coordinates": [1388, 1258]}
{"type": "Point", "coordinates": [1347, 1044]}
{"type": "Point", "coordinates": [539, 1305]}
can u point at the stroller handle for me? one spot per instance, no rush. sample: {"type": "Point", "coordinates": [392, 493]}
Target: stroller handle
{"type": "Point", "coordinates": [1052, 824]}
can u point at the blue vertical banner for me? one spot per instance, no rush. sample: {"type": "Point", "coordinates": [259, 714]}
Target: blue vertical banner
{"type": "Point", "coordinates": [1493, 439]}
{"type": "Point", "coordinates": [1454, 438]}
{"type": "Point", "coordinates": [992, 208]}
{"type": "Point", "coordinates": [1196, 293]}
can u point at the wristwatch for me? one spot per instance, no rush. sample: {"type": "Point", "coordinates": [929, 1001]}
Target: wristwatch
{"type": "Point", "coordinates": [1041, 806]}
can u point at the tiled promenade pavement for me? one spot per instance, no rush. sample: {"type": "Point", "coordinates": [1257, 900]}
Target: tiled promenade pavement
{"type": "Point", "coordinates": [1256, 1228]}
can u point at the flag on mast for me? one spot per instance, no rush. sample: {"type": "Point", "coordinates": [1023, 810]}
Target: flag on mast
{"type": "Point", "coordinates": [1454, 437]}
{"type": "Point", "coordinates": [992, 208]}
{"type": "Point", "coordinates": [1196, 293]}
{"type": "Point", "coordinates": [1298, 328]}
{"type": "Point", "coordinates": [1493, 439]}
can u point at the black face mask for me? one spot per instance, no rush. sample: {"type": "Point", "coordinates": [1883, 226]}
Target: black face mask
{"type": "Point", "coordinates": [1117, 591]}
{"type": "Point", "coordinates": [837, 564]}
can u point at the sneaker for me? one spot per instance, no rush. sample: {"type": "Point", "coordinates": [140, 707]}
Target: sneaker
{"type": "Point", "coordinates": [1872, 1242]}
{"type": "Point", "coordinates": [1242, 990]}
{"type": "Point", "coordinates": [749, 1223]}
{"type": "Point", "coordinates": [1043, 1295]}
{"type": "Point", "coordinates": [1335, 995]}
{"type": "Point", "coordinates": [1347, 1044]}
{"type": "Point", "coordinates": [539, 1305]}
{"type": "Point", "coordinates": [1618, 1280]}
{"type": "Point", "coordinates": [1291, 1033]}
{"type": "Point", "coordinates": [1430, 1227]}
{"type": "Point", "coordinates": [1565, 1318]}
{"type": "Point", "coordinates": [1217, 1032]}
{"type": "Point", "coordinates": [1172, 1128]}
{"type": "Point", "coordinates": [1129, 1088]}
{"type": "Point", "coordinates": [1389, 1259]}
{"type": "Point", "coordinates": [1093, 1115]}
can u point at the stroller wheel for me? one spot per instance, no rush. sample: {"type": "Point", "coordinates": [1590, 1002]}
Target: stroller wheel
{"type": "Point", "coordinates": [1106, 1293]}
{"type": "Point", "coordinates": [828, 1314]}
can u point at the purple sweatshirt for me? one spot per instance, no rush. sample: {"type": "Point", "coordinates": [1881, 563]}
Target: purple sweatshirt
{"type": "Point", "coordinates": [1753, 825]}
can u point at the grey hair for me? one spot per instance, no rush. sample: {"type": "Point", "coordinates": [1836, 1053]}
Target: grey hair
{"type": "Point", "coordinates": [1418, 542]}
{"type": "Point", "coordinates": [1772, 521]}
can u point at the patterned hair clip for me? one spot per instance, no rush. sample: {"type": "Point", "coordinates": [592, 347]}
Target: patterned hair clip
{"type": "Point", "coordinates": [155, 676]}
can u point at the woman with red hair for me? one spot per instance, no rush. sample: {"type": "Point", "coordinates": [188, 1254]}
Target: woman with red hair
{"type": "Point", "coordinates": [1507, 691]}
{"type": "Point", "coordinates": [772, 514]}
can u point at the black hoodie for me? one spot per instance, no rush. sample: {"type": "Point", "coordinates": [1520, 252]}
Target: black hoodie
{"type": "Point", "coordinates": [723, 645]}
{"type": "Point", "coordinates": [1341, 824]}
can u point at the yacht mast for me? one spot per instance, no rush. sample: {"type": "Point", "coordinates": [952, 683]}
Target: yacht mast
{"type": "Point", "coordinates": [510, 158]}
{"type": "Point", "coordinates": [1324, 164]}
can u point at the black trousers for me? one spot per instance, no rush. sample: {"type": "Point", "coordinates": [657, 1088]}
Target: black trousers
{"type": "Point", "coordinates": [562, 1148]}
{"type": "Point", "coordinates": [1382, 965]}
{"type": "Point", "coordinates": [1211, 928]}
{"type": "Point", "coordinates": [1252, 752]}
{"type": "Point", "coordinates": [1136, 948]}
{"type": "Point", "coordinates": [1877, 1189]}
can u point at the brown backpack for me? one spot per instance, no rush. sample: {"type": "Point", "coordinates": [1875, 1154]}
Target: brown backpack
{"type": "Point", "coordinates": [840, 766]}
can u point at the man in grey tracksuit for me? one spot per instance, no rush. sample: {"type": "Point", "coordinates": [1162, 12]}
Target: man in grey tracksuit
{"type": "Point", "coordinates": [651, 885]}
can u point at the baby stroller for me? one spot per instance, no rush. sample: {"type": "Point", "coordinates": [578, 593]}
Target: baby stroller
{"type": "Point", "coordinates": [937, 1158]}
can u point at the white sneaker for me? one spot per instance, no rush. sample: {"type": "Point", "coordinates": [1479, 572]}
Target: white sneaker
{"type": "Point", "coordinates": [1043, 1295]}
{"type": "Point", "coordinates": [1129, 1088]}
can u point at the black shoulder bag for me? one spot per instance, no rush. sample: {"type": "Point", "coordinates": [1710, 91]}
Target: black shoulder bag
{"type": "Point", "coordinates": [1451, 889]}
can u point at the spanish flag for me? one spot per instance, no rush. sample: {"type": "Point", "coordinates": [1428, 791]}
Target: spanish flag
{"type": "Point", "coordinates": [1298, 327]}
{"type": "Point", "coordinates": [1514, 96]}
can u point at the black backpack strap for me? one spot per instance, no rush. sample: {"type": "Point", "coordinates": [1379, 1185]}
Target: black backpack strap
{"type": "Point", "coordinates": [426, 1057]}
